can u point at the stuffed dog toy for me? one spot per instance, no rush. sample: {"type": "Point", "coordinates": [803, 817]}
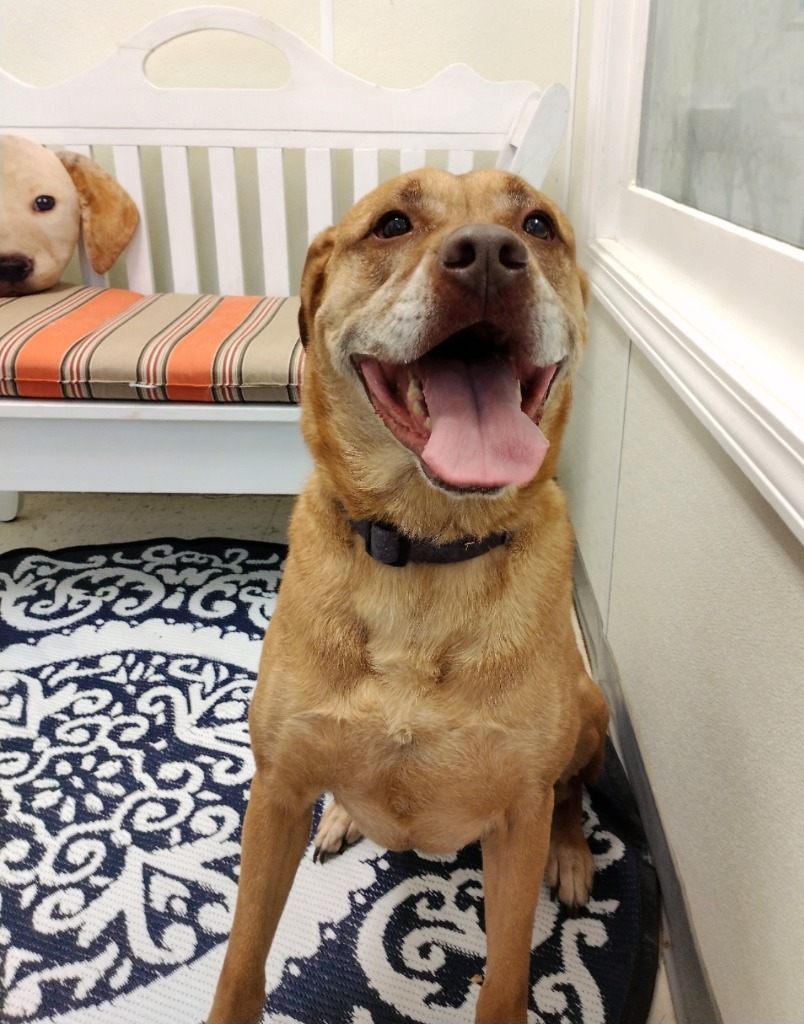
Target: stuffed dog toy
{"type": "Point", "coordinates": [46, 198]}
{"type": "Point", "coordinates": [421, 663]}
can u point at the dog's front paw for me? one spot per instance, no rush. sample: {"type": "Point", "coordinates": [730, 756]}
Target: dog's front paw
{"type": "Point", "coordinates": [335, 828]}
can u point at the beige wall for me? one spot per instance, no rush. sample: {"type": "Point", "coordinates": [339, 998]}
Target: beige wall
{"type": "Point", "coordinates": [43, 42]}
{"type": "Point", "coordinates": [704, 587]}
{"type": "Point", "coordinates": [590, 463]}
{"type": "Point", "coordinates": [393, 43]}
{"type": "Point", "coordinates": [707, 622]}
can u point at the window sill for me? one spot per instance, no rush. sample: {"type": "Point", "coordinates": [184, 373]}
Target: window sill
{"type": "Point", "coordinates": [697, 352]}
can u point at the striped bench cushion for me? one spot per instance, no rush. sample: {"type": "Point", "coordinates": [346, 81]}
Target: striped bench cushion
{"type": "Point", "coordinates": [76, 342]}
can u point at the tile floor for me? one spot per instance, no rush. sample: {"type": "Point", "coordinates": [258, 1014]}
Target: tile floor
{"type": "Point", "coordinates": [52, 521]}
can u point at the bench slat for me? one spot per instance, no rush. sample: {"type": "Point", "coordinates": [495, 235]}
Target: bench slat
{"type": "Point", "coordinates": [460, 161]}
{"type": "Point", "coordinates": [273, 222]}
{"type": "Point", "coordinates": [365, 171]}
{"type": "Point", "coordinates": [318, 171]}
{"type": "Point", "coordinates": [225, 218]}
{"type": "Point", "coordinates": [88, 273]}
{"type": "Point", "coordinates": [138, 263]}
{"type": "Point", "coordinates": [411, 159]}
{"type": "Point", "coordinates": [179, 211]}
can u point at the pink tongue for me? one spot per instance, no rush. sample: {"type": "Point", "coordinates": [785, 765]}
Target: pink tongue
{"type": "Point", "coordinates": [480, 436]}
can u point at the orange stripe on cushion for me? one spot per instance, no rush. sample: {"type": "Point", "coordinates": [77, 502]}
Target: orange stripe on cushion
{"type": "Point", "coordinates": [23, 316]}
{"type": "Point", "coordinates": [38, 364]}
{"type": "Point", "coordinates": [229, 364]}
{"type": "Point", "coordinates": [191, 364]}
{"type": "Point", "coordinates": [202, 359]}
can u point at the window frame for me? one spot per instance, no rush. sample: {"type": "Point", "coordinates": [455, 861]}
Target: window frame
{"type": "Point", "coordinates": [718, 309]}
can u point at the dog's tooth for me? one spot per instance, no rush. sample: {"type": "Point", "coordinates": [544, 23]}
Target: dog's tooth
{"type": "Point", "coordinates": [415, 399]}
{"type": "Point", "coordinates": [415, 392]}
{"type": "Point", "coordinates": [419, 411]}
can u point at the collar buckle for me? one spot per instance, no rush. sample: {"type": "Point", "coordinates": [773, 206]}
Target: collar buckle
{"type": "Point", "coordinates": [386, 544]}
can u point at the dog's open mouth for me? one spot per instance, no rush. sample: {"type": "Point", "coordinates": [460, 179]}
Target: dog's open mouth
{"type": "Point", "coordinates": [470, 408]}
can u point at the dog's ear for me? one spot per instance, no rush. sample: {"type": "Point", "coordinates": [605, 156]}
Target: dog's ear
{"type": "Point", "coordinates": [583, 278]}
{"type": "Point", "coordinates": [109, 216]}
{"type": "Point", "coordinates": [312, 282]}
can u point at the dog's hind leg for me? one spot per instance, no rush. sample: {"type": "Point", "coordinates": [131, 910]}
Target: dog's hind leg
{"type": "Point", "coordinates": [570, 865]}
{"type": "Point", "coordinates": [335, 828]}
{"type": "Point", "coordinates": [274, 838]}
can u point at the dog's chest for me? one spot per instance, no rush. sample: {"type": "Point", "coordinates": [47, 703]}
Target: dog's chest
{"type": "Point", "coordinates": [421, 735]}
{"type": "Point", "coordinates": [417, 765]}
{"type": "Point", "coordinates": [427, 694]}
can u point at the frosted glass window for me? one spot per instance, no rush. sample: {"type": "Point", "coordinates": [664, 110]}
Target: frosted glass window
{"type": "Point", "coordinates": [723, 111]}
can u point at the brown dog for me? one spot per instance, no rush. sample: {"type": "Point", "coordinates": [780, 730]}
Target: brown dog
{"type": "Point", "coordinates": [433, 685]}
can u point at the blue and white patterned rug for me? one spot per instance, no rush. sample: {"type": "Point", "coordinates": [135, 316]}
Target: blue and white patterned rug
{"type": "Point", "coordinates": [125, 675]}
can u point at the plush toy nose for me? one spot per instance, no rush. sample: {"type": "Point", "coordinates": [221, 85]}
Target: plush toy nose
{"type": "Point", "coordinates": [15, 267]}
{"type": "Point", "coordinates": [484, 258]}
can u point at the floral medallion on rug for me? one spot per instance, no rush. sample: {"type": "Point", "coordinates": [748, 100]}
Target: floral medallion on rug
{"type": "Point", "coordinates": [125, 677]}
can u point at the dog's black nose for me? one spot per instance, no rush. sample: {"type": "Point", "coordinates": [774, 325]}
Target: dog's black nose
{"type": "Point", "coordinates": [15, 267]}
{"type": "Point", "coordinates": [484, 258]}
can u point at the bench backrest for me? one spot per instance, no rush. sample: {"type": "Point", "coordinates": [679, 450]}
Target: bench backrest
{"type": "Point", "coordinates": [232, 184]}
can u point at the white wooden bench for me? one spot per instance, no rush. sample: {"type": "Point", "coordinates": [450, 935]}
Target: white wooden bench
{"type": "Point", "coordinates": [232, 184]}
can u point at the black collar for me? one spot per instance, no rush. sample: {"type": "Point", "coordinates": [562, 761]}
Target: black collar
{"type": "Point", "coordinates": [387, 545]}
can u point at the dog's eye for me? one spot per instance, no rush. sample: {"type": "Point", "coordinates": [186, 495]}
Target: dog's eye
{"type": "Point", "coordinates": [540, 226]}
{"type": "Point", "coordinates": [44, 203]}
{"type": "Point", "coordinates": [392, 225]}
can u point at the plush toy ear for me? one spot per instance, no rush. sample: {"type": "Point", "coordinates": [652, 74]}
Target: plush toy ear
{"type": "Point", "coordinates": [108, 215]}
{"type": "Point", "coordinates": [312, 282]}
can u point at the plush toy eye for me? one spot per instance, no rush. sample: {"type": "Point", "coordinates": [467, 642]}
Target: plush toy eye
{"type": "Point", "coordinates": [392, 225]}
{"type": "Point", "coordinates": [540, 226]}
{"type": "Point", "coordinates": [44, 203]}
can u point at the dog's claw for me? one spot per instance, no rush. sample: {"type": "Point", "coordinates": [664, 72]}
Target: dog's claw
{"type": "Point", "coordinates": [322, 855]}
{"type": "Point", "coordinates": [336, 831]}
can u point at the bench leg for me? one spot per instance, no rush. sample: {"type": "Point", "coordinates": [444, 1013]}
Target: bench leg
{"type": "Point", "coordinates": [9, 506]}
